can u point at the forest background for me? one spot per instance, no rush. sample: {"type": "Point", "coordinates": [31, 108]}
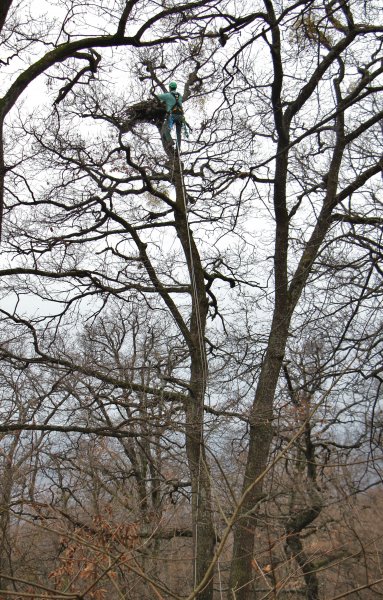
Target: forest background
{"type": "Point", "coordinates": [191, 347]}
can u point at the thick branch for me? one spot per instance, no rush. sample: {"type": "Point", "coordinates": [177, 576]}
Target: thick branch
{"type": "Point", "coordinates": [5, 5]}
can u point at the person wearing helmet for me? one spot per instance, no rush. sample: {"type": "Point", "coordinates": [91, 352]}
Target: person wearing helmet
{"type": "Point", "coordinates": [174, 115]}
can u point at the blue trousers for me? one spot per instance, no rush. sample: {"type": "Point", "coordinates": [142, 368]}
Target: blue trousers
{"type": "Point", "coordinates": [166, 129]}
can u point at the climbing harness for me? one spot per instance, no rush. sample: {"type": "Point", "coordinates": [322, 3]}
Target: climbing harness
{"type": "Point", "coordinates": [177, 108]}
{"type": "Point", "coordinates": [178, 111]}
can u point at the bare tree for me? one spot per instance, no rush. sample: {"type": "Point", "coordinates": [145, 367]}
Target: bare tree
{"type": "Point", "coordinates": [156, 298]}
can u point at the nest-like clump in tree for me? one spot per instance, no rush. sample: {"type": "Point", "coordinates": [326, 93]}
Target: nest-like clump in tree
{"type": "Point", "coordinates": [146, 111]}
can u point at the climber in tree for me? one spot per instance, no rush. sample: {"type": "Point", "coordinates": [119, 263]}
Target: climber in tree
{"type": "Point", "coordinates": [174, 115]}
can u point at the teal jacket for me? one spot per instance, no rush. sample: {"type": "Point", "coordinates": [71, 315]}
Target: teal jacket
{"type": "Point", "coordinates": [169, 100]}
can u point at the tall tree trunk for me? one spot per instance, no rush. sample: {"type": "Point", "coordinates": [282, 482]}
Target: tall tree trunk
{"type": "Point", "coordinates": [204, 538]}
{"type": "Point", "coordinates": [262, 410]}
{"type": "Point", "coordinates": [203, 530]}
